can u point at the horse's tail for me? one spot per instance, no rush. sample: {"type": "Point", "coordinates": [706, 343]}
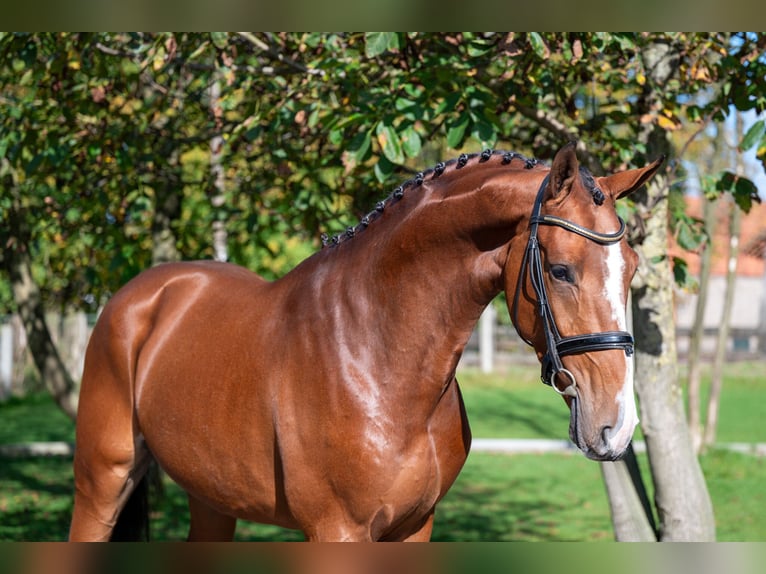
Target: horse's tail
{"type": "Point", "coordinates": [133, 522]}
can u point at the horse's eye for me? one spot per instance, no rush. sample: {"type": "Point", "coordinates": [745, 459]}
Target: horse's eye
{"type": "Point", "coordinates": [562, 273]}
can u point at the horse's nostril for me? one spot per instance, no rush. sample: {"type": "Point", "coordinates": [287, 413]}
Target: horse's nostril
{"type": "Point", "coordinates": [606, 434]}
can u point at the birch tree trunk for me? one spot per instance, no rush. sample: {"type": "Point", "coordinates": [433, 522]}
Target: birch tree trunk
{"type": "Point", "coordinates": [632, 517]}
{"type": "Point", "coordinates": [735, 218]}
{"type": "Point", "coordinates": [716, 383]}
{"type": "Point", "coordinates": [218, 198]}
{"type": "Point", "coordinates": [18, 263]}
{"type": "Point", "coordinates": [168, 191]}
{"type": "Point", "coordinates": [698, 330]}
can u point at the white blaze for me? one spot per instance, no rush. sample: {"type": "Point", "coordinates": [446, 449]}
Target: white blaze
{"type": "Point", "coordinates": [613, 292]}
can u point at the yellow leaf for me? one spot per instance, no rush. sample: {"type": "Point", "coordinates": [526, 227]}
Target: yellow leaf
{"type": "Point", "coordinates": [666, 123]}
{"type": "Point", "coordinates": [640, 79]}
{"type": "Point", "coordinates": [116, 102]}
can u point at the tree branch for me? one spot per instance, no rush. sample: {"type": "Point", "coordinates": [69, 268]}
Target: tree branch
{"type": "Point", "coordinates": [261, 45]}
{"type": "Point", "coordinates": [703, 125]}
{"type": "Point", "coordinates": [553, 125]}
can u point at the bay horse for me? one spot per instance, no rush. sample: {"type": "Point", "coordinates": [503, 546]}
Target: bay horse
{"type": "Point", "coordinates": [326, 401]}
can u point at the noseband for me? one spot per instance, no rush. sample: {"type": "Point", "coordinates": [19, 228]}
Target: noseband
{"type": "Point", "coordinates": [558, 346]}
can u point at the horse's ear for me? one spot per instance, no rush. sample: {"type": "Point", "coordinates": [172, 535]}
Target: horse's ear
{"type": "Point", "coordinates": [626, 182]}
{"type": "Point", "coordinates": [563, 172]}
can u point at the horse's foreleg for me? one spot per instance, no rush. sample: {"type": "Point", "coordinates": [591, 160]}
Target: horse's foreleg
{"type": "Point", "coordinates": [424, 533]}
{"type": "Point", "coordinates": [208, 525]}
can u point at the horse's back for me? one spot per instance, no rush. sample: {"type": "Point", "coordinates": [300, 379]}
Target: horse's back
{"type": "Point", "coordinates": [159, 298]}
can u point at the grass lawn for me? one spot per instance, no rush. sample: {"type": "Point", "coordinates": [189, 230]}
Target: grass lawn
{"type": "Point", "coordinates": [516, 404]}
{"type": "Point", "coordinates": [550, 497]}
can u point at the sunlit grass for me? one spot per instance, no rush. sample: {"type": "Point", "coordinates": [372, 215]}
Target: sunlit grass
{"type": "Point", "coordinates": [35, 418]}
{"type": "Point", "coordinates": [496, 497]}
{"type": "Point", "coordinates": [552, 497]}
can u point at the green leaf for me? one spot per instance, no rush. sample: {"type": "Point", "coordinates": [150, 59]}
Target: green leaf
{"type": "Point", "coordinates": [383, 169]}
{"type": "Point", "coordinates": [725, 181]}
{"type": "Point", "coordinates": [129, 67]}
{"type": "Point", "coordinates": [689, 236]}
{"type": "Point", "coordinates": [402, 104]}
{"type": "Point", "coordinates": [335, 137]}
{"type": "Point", "coordinates": [389, 143]}
{"type": "Point", "coordinates": [411, 143]}
{"type": "Point", "coordinates": [743, 190]}
{"type": "Point", "coordinates": [34, 163]}
{"type": "Point", "coordinates": [220, 39]}
{"type": "Point", "coordinates": [72, 215]}
{"type": "Point", "coordinates": [753, 135]}
{"type": "Point", "coordinates": [745, 194]}
{"type": "Point", "coordinates": [456, 132]}
{"type": "Point", "coordinates": [538, 45]}
{"type": "Point", "coordinates": [378, 42]}
{"type": "Point", "coordinates": [478, 49]}
{"type": "Point", "coordinates": [447, 103]}
{"type": "Point", "coordinates": [313, 118]}
{"type": "Point", "coordinates": [761, 152]}
{"type": "Point", "coordinates": [683, 277]}
{"type": "Point", "coordinates": [485, 133]}
{"type": "Point", "coordinates": [360, 146]}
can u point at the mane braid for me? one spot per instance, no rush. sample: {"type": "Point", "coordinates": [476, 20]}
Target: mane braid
{"type": "Point", "coordinates": [590, 184]}
{"type": "Point", "coordinates": [433, 173]}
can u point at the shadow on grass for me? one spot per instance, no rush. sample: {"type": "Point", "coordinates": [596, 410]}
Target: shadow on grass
{"type": "Point", "coordinates": [34, 418]}
{"type": "Point", "coordinates": [35, 498]}
{"type": "Point", "coordinates": [488, 502]}
{"type": "Point", "coordinates": [496, 498]}
{"type": "Point", "coordinates": [480, 517]}
{"type": "Point", "coordinates": [504, 414]}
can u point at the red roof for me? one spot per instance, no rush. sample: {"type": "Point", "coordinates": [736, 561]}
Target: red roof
{"type": "Point", "coordinates": [753, 228]}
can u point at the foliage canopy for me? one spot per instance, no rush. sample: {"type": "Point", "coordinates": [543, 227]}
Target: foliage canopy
{"type": "Point", "coordinates": [105, 139]}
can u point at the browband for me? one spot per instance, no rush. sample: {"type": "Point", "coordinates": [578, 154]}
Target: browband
{"type": "Point", "coordinates": [602, 238]}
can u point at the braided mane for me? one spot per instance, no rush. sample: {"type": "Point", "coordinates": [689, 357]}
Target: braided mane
{"type": "Point", "coordinates": [432, 173]}
{"type": "Point", "coordinates": [436, 171]}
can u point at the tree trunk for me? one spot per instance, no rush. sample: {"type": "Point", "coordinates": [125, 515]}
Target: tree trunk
{"type": "Point", "coordinates": [698, 330]}
{"type": "Point", "coordinates": [681, 498]}
{"type": "Point", "coordinates": [26, 292]}
{"type": "Point", "coordinates": [683, 504]}
{"type": "Point", "coordinates": [218, 199]}
{"type": "Point", "coordinates": [167, 209]}
{"type": "Point", "coordinates": [716, 382]}
{"type": "Point", "coordinates": [632, 516]}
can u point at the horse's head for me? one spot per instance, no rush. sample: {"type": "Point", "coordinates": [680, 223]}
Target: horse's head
{"type": "Point", "coordinates": [567, 284]}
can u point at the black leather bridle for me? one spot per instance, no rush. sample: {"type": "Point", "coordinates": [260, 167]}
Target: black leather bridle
{"type": "Point", "coordinates": [558, 346]}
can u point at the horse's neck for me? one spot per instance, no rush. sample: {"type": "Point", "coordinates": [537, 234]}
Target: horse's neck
{"type": "Point", "coordinates": [429, 269]}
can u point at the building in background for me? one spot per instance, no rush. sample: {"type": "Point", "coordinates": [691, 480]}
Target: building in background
{"type": "Point", "coordinates": [748, 320]}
